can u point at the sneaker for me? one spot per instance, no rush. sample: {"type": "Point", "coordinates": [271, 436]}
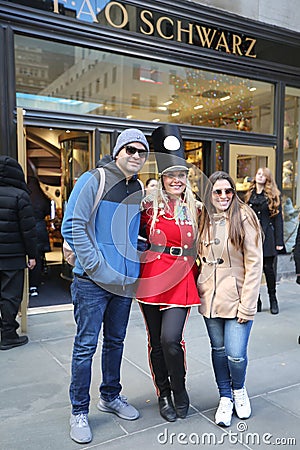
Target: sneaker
{"type": "Point", "coordinates": [7, 344]}
{"type": "Point", "coordinates": [242, 403]}
{"type": "Point", "coordinates": [80, 430]}
{"type": "Point", "coordinates": [33, 292]}
{"type": "Point", "coordinates": [224, 412]}
{"type": "Point", "coordinates": [120, 407]}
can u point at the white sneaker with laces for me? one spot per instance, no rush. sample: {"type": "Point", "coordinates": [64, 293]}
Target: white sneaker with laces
{"type": "Point", "coordinates": [224, 412]}
{"type": "Point", "coordinates": [80, 430]}
{"type": "Point", "coordinates": [242, 403]}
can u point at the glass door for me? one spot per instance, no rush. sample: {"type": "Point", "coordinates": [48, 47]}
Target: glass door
{"type": "Point", "coordinates": [195, 153]}
{"type": "Point", "coordinates": [244, 162]}
{"type": "Point", "coordinates": [75, 159]}
{"type": "Point", "coordinates": [79, 152]}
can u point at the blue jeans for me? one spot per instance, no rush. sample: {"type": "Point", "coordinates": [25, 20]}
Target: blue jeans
{"type": "Point", "coordinates": [229, 342]}
{"type": "Point", "coordinates": [92, 306]}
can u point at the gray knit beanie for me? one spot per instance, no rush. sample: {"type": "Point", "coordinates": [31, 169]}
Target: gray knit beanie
{"type": "Point", "coordinates": [127, 137]}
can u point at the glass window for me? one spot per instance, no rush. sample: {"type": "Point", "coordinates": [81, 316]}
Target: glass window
{"type": "Point", "coordinates": [153, 102]}
{"type": "Point", "coordinates": [184, 95]}
{"type": "Point", "coordinates": [135, 101]}
{"type": "Point", "coordinates": [291, 143]}
{"type": "Point", "coordinates": [291, 155]}
{"type": "Point", "coordinates": [219, 155]}
{"type": "Point", "coordinates": [114, 75]}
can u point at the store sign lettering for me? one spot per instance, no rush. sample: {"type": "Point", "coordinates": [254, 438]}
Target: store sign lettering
{"type": "Point", "coordinates": [193, 34]}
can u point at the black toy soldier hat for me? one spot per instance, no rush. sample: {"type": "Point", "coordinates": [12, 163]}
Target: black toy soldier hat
{"type": "Point", "coordinates": [169, 148]}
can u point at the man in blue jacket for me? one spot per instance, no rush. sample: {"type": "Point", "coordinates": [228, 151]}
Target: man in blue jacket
{"type": "Point", "coordinates": [104, 240]}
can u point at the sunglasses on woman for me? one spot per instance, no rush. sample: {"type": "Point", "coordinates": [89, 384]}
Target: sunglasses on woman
{"type": "Point", "coordinates": [219, 192]}
{"type": "Point", "coordinates": [177, 175]}
{"type": "Point", "coordinates": [131, 150]}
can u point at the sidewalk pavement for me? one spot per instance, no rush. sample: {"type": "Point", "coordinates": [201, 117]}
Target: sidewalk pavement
{"type": "Point", "coordinates": [34, 402]}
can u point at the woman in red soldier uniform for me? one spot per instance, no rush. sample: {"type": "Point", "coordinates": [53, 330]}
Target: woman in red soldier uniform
{"type": "Point", "coordinates": [167, 287]}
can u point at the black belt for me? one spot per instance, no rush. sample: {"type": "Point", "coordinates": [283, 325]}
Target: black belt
{"type": "Point", "coordinates": [174, 251]}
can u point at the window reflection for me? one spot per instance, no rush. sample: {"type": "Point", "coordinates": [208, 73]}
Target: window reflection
{"type": "Point", "coordinates": [290, 168]}
{"type": "Point", "coordinates": [291, 154]}
{"type": "Point", "coordinates": [54, 76]}
{"type": "Point", "coordinates": [219, 156]}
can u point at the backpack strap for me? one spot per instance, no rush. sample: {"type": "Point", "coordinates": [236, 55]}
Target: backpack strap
{"type": "Point", "coordinates": [100, 188]}
{"type": "Point", "coordinates": [142, 187]}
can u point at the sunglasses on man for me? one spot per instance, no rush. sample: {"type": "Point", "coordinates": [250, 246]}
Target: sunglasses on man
{"type": "Point", "coordinates": [131, 150]}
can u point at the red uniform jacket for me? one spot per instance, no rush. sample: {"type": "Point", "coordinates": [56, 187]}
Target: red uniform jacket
{"type": "Point", "coordinates": [165, 279]}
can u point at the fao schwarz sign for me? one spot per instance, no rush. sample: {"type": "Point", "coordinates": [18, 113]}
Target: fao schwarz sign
{"type": "Point", "coordinates": [150, 23]}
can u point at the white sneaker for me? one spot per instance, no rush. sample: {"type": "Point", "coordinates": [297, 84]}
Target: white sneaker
{"type": "Point", "coordinates": [224, 412]}
{"type": "Point", "coordinates": [80, 430]}
{"type": "Point", "coordinates": [33, 292]}
{"type": "Point", "coordinates": [242, 403]}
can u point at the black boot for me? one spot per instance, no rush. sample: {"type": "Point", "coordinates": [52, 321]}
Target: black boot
{"type": "Point", "coordinates": [7, 344]}
{"type": "Point", "coordinates": [259, 304]}
{"type": "Point", "coordinates": [182, 404]}
{"type": "Point", "coordinates": [166, 408]}
{"type": "Point", "coordinates": [273, 304]}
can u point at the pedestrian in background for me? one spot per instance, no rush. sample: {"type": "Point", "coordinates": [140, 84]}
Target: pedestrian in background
{"type": "Point", "coordinates": [151, 186]}
{"type": "Point", "coordinates": [106, 268]}
{"type": "Point", "coordinates": [297, 254]}
{"type": "Point", "coordinates": [263, 197]}
{"type": "Point", "coordinates": [229, 281]}
{"type": "Point", "coordinates": [41, 204]}
{"type": "Point", "coordinates": [17, 243]}
{"type": "Point", "coordinates": [167, 287]}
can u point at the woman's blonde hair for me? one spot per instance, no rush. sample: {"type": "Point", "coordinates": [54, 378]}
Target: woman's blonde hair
{"type": "Point", "coordinates": [236, 230]}
{"type": "Point", "coordinates": [271, 191]}
{"type": "Point", "coordinates": [160, 200]}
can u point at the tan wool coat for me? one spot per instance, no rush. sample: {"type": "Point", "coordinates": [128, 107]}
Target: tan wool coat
{"type": "Point", "coordinates": [229, 279]}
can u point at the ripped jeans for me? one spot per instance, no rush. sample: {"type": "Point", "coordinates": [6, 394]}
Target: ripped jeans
{"type": "Point", "coordinates": [229, 342]}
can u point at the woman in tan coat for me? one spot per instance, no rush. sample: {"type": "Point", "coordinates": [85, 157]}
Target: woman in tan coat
{"type": "Point", "coordinates": [228, 284]}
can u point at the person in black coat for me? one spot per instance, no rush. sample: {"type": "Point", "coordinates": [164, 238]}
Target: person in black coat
{"type": "Point", "coordinates": [297, 254]}
{"type": "Point", "coordinates": [264, 198]}
{"type": "Point", "coordinates": [41, 208]}
{"type": "Point", "coordinates": [17, 242]}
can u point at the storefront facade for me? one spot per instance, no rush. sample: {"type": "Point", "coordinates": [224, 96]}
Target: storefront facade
{"type": "Point", "coordinates": [75, 73]}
